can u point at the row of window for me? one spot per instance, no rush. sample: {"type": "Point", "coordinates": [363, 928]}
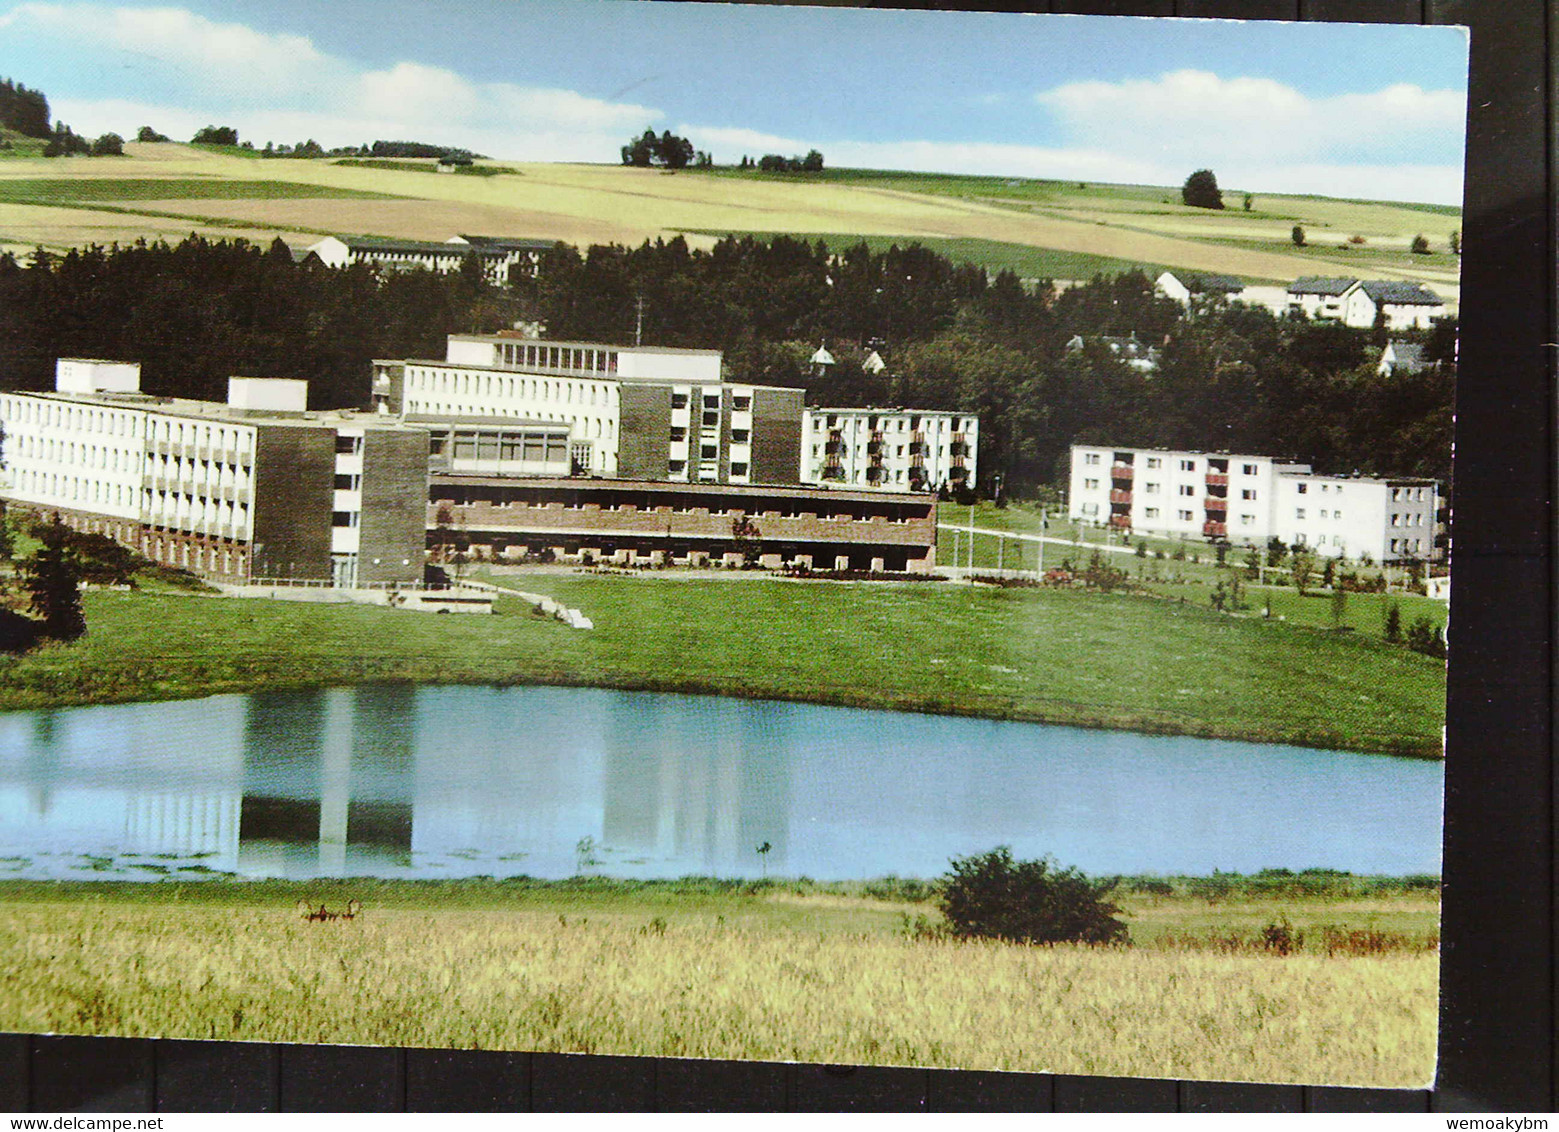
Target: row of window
{"type": "Point", "coordinates": [61, 415]}
{"type": "Point", "coordinates": [1155, 462]}
{"type": "Point", "coordinates": [79, 418]}
{"type": "Point", "coordinates": [892, 424]}
{"type": "Point", "coordinates": [533, 355]}
{"type": "Point", "coordinates": [503, 387]}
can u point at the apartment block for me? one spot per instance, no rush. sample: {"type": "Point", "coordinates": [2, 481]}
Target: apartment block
{"type": "Point", "coordinates": [256, 487]}
{"type": "Point", "coordinates": [889, 449]}
{"type": "Point", "coordinates": [1224, 497]}
{"type": "Point", "coordinates": [639, 412]}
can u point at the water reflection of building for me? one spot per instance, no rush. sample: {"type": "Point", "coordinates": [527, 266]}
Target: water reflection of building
{"type": "Point", "coordinates": [327, 780]}
{"type": "Point", "coordinates": [150, 779]}
{"type": "Point", "coordinates": [705, 796]}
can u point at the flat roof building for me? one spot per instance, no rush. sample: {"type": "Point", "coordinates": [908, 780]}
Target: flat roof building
{"type": "Point", "coordinates": [631, 412]}
{"type": "Point", "coordinates": [627, 522]}
{"type": "Point", "coordinates": [1224, 497]}
{"type": "Point", "coordinates": [254, 488]}
{"type": "Point", "coordinates": [889, 449]}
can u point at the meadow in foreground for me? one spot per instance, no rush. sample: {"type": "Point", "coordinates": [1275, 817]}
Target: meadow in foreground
{"type": "Point", "coordinates": [761, 972]}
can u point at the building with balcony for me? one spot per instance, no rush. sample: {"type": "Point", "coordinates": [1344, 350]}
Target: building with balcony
{"type": "Point", "coordinates": [1247, 500]}
{"type": "Point", "coordinates": [889, 449]}
{"type": "Point", "coordinates": [254, 487]}
{"type": "Point", "coordinates": [630, 412]}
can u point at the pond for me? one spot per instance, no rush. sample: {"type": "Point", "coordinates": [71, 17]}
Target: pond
{"type": "Point", "coordinates": [401, 781]}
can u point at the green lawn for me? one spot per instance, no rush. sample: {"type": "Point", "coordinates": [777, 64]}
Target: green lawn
{"type": "Point", "coordinates": [1192, 578]}
{"type": "Point", "coordinates": [1119, 660]}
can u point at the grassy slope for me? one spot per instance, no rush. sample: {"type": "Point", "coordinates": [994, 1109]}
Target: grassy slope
{"type": "Point", "coordinates": [993, 221]}
{"type": "Point", "coordinates": [1110, 661]}
{"type": "Point", "coordinates": [762, 974]}
{"type": "Point", "coordinates": [1193, 580]}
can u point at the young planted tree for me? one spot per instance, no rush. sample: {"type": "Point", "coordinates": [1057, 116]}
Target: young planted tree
{"type": "Point", "coordinates": [1420, 245]}
{"type": "Point", "coordinates": [1392, 631]}
{"type": "Point", "coordinates": [1298, 236]}
{"type": "Point", "coordinates": [1302, 570]}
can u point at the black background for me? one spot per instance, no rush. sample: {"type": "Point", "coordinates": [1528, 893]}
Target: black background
{"type": "Point", "coordinates": [1497, 1043]}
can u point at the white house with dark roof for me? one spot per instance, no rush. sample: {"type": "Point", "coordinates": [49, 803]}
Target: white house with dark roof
{"type": "Point", "coordinates": [1357, 303]}
{"type": "Point", "coordinates": [1183, 286]}
{"type": "Point", "coordinates": [1138, 355]}
{"type": "Point", "coordinates": [1330, 297]}
{"type": "Point", "coordinates": [1402, 357]}
{"type": "Point", "coordinates": [1407, 306]}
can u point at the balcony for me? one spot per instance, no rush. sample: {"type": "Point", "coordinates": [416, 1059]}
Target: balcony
{"type": "Point", "coordinates": [1121, 471]}
{"type": "Point", "coordinates": [1119, 496]}
{"type": "Point", "coordinates": [1217, 479]}
{"type": "Point", "coordinates": [1216, 503]}
{"type": "Point", "coordinates": [1122, 522]}
{"type": "Point", "coordinates": [1214, 529]}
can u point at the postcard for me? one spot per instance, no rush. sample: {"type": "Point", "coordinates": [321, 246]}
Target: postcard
{"type": "Point", "coordinates": [716, 531]}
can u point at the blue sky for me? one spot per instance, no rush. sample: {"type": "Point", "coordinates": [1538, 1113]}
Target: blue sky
{"type": "Point", "coordinates": [1349, 110]}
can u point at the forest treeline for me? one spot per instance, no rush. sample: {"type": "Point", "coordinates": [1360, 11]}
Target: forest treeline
{"type": "Point", "coordinates": [25, 111]}
{"type": "Point", "coordinates": [1230, 377]}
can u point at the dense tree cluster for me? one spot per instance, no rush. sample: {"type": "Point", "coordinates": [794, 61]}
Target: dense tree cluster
{"type": "Point", "coordinates": [23, 110]}
{"type": "Point", "coordinates": [1229, 377]}
{"type": "Point", "coordinates": [667, 150]}
{"type": "Point", "coordinates": [779, 163]}
{"type": "Point", "coordinates": [215, 135]}
{"type": "Point", "coordinates": [410, 149]}
{"type": "Point", "coordinates": [197, 313]}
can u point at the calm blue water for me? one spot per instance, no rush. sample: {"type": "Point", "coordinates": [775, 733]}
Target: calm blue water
{"type": "Point", "coordinates": [446, 782]}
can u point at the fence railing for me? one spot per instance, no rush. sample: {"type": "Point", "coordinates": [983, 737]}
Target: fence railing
{"type": "Point", "coordinates": [329, 584]}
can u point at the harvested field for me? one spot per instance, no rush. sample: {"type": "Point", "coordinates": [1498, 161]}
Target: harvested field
{"type": "Point", "coordinates": [998, 221]}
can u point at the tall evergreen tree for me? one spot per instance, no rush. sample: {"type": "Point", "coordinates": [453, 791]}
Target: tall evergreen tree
{"type": "Point", "coordinates": [51, 576]}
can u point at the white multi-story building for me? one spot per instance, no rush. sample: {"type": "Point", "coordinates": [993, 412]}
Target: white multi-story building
{"type": "Point", "coordinates": [498, 255]}
{"type": "Point", "coordinates": [630, 412]}
{"type": "Point", "coordinates": [1223, 497]}
{"type": "Point", "coordinates": [889, 449]}
{"type": "Point", "coordinates": [253, 487]}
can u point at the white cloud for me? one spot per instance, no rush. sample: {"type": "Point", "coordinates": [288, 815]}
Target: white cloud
{"type": "Point", "coordinates": [282, 88]}
{"type": "Point", "coordinates": [213, 56]}
{"type": "Point", "coordinates": [1197, 118]}
{"type": "Point", "coordinates": [1422, 182]}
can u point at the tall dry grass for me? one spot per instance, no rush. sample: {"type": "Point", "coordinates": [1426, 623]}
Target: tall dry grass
{"type": "Point", "coordinates": [499, 979]}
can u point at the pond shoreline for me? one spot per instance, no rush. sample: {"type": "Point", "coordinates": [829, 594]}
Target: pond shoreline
{"type": "Point", "coordinates": [145, 647]}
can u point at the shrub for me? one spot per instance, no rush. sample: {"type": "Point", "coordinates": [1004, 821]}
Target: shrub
{"type": "Point", "coordinates": [1420, 245]}
{"type": "Point", "coordinates": [1424, 636]}
{"type": "Point", "coordinates": [991, 896]}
